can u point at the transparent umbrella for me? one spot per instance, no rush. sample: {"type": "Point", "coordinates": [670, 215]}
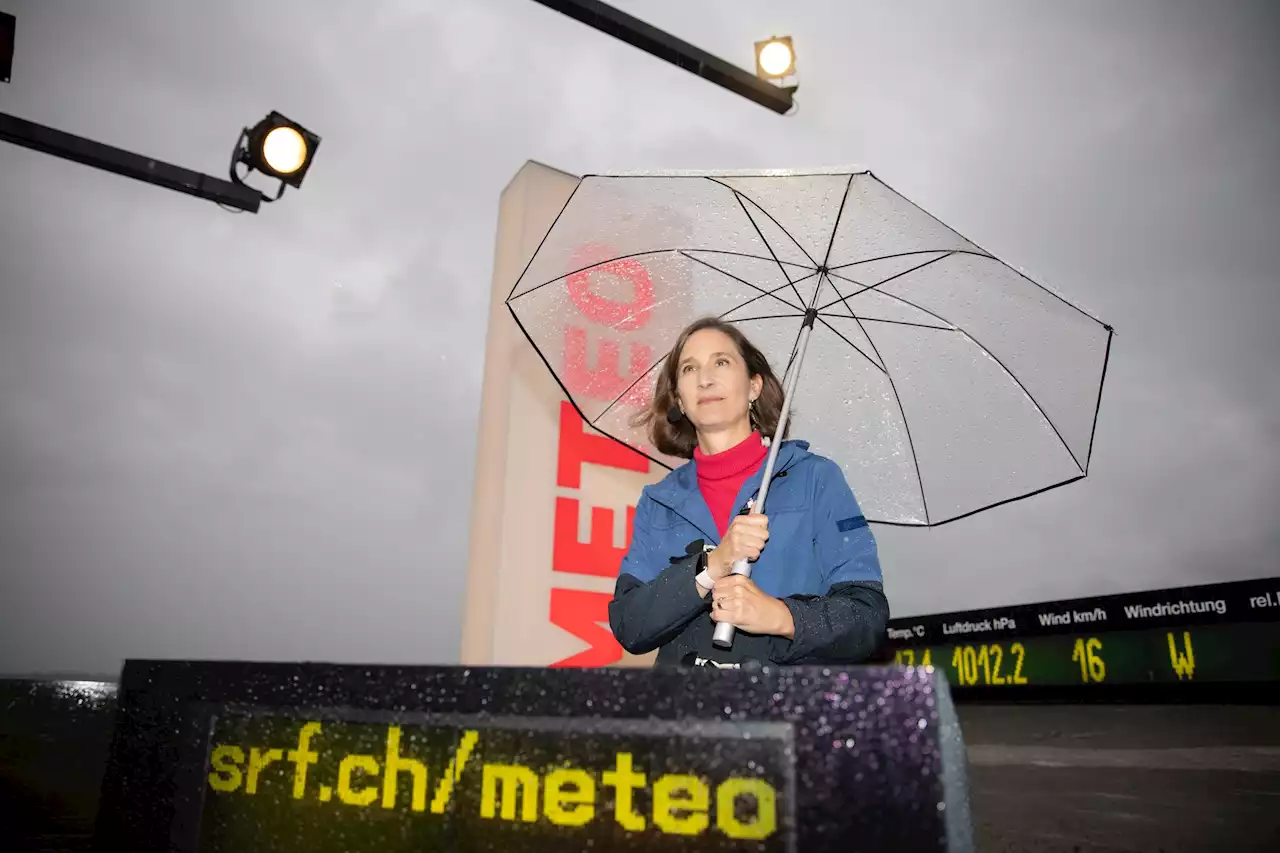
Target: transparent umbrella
{"type": "Point", "coordinates": [942, 380]}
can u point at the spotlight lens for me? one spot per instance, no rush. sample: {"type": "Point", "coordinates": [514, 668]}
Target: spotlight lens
{"type": "Point", "coordinates": [775, 57]}
{"type": "Point", "coordinates": [284, 150]}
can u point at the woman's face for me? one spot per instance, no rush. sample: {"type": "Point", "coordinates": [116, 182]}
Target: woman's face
{"type": "Point", "coordinates": [712, 382]}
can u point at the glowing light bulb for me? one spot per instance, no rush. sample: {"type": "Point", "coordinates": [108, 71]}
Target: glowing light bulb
{"type": "Point", "coordinates": [775, 58]}
{"type": "Point", "coordinates": [284, 150]}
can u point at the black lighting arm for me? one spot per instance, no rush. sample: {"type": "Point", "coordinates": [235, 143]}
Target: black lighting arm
{"type": "Point", "coordinates": [137, 166]}
{"type": "Point", "coordinates": [650, 39]}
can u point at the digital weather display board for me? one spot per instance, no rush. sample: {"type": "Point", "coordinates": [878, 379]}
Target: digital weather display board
{"type": "Point", "coordinates": [1219, 633]}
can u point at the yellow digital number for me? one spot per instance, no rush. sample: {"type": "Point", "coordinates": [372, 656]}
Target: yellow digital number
{"type": "Point", "coordinates": [1088, 653]}
{"type": "Point", "coordinates": [991, 656]}
{"type": "Point", "coordinates": [907, 657]}
{"type": "Point", "coordinates": [1020, 653]}
{"type": "Point", "coordinates": [984, 664]}
{"type": "Point", "coordinates": [961, 666]}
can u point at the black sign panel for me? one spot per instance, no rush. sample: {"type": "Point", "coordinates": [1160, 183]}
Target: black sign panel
{"type": "Point", "coordinates": [222, 757]}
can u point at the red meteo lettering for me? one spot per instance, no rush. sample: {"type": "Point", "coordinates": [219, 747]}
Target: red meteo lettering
{"type": "Point", "coordinates": [580, 612]}
{"type": "Point", "coordinates": [584, 613]}
{"type": "Point", "coordinates": [606, 381]}
{"type": "Point", "coordinates": [579, 447]}
{"type": "Point", "coordinates": [623, 316]}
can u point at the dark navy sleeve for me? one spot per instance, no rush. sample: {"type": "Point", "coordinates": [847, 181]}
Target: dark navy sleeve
{"type": "Point", "coordinates": [847, 623]}
{"type": "Point", "coordinates": [655, 596]}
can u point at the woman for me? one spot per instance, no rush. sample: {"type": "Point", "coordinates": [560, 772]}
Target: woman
{"type": "Point", "coordinates": [815, 594]}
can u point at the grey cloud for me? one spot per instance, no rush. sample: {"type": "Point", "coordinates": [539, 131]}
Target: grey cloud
{"type": "Point", "coordinates": [236, 436]}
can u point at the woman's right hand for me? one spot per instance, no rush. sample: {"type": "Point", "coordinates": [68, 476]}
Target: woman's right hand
{"type": "Point", "coordinates": [744, 540]}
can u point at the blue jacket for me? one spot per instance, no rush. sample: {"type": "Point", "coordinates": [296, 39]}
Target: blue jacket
{"type": "Point", "coordinates": [820, 560]}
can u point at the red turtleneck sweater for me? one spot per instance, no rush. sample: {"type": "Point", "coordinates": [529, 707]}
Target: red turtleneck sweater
{"type": "Point", "coordinates": [721, 475]}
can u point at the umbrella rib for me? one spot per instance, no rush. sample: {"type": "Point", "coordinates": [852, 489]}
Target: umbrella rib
{"type": "Point", "coordinates": [826, 259]}
{"type": "Point", "coordinates": [994, 358]}
{"type": "Point", "coordinates": [739, 197]}
{"type": "Point", "coordinates": [638, 255]}
{"type": "Point", "coordinates": [774, 294]}
{"type": "Point", "coordinates": [909, 254]}
{"type": "Point", "coordinates": [749, 255]}
{"type": "Point", "coordinates": [542, 242]}
{"type": "Point", "coordinates": [682, 175]}
{"type": "Point", "coordinates": [897, 322]}
{"type": "Point", "coordinates": [774, 254]}
{"type": "Point", "coordinates": [754, 287]}
{"type": "Point", "coordinates": [950, 327]}
{"type": "Point", "coordinates": [686, 254]}
{"type": "Point", "coordinates": [866, 287]}
{"type": "Point", "coordinates": [988, 254]}
{"type": "Point", "coordinates": [570, 398]}
{"type": "Point", "coordinates": [758, 207]}
{"type": "Point", "coordinates": [1002, 502]}
{"type": "Point", "coordinates": [563, 276]}
{"type": "Point", "coordinates": [761, 317]}
{"type": "Point", "coordinates": [915, 458]}
{"type": "Point", "coordinates": [949, 253]}
{"type": "Point", "coordinates": [633, 384]}
{"type": "Point", "coordinates": [1097, 406]}
{"type": "Point", "coordinates": [857, 349]}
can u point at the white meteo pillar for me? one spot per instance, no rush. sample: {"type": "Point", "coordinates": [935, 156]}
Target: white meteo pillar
{"type": "Point", "coordinates": [550, 507]}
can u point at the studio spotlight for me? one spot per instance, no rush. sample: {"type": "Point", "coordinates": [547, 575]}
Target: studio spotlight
{"type": "Point", "coordinates": [775, 58]}
{"type": "Point", "coordinates": [278, 148]}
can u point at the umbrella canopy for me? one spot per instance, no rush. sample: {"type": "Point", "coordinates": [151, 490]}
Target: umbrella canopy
{"type": "Point", "coordinates": [943, 381]}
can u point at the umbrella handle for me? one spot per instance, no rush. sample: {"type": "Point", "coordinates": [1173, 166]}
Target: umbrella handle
{"type": "Point", "coordinates": [722, 638]}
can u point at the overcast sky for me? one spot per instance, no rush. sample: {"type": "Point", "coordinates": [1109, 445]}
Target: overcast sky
{"type": "Point", "coordinates": [252, 436]}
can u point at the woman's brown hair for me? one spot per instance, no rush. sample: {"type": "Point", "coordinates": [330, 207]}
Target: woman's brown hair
{"type": "Point", "coordinates": [678, 439]}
